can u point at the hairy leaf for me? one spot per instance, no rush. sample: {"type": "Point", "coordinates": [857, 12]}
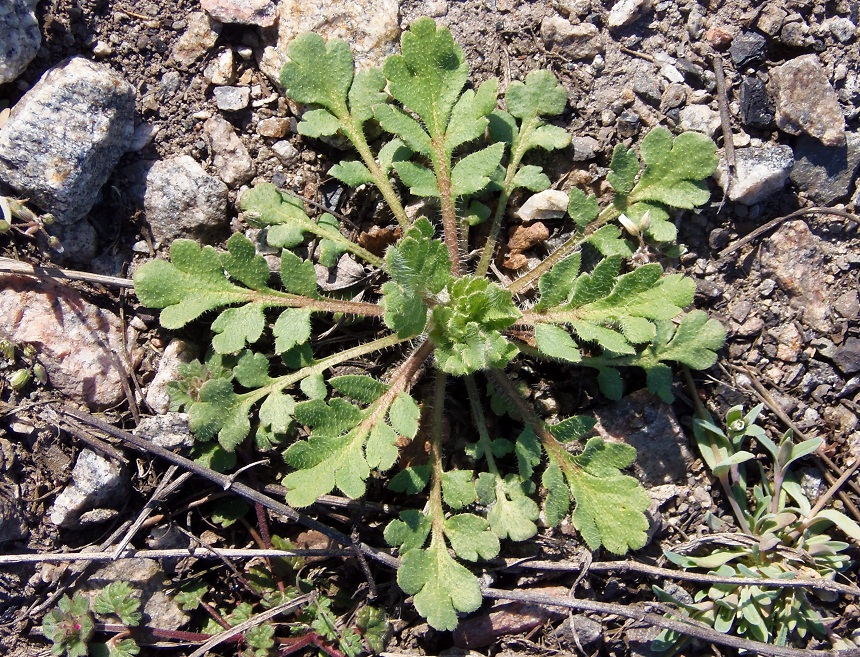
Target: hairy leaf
{"type": "Point", "coordinates": [441, 586]}
{"type": "Point", "coordinates": [675, 169]}
{"type": "Point", "coordinates": [318, 73]}
{"type": "Point", "coordinates": [470, 537]}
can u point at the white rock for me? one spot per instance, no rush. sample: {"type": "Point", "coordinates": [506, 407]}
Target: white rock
{"type": "Point", "coordinates": [182, 200]}
{"type": "Point", "coordinates": [700, 118]}
{"type": "Point", "coordinates": [548, 204]}
{"type": "Point", "coordinates": [200, 35]}
{"type": "Point", "coordinates": [96, 481]}
{"type": "Point", "coordinates": [263, 13]}
{"type": "Point", "coordinates": [169, 431]}
{"type": "Point", "coordinates": [231, 99]}
{"type": "Point", "coordinates": [371, 27]}
{"type": "Point", "coordinates": [221, 70]}
{"type": "Point", "coordinates": [760, 172]}
{"type": "Point", "coordinates": [177, 353]}
{"type": "Point", "coordinates": [20, 37]}
{"type": "Point", "coordinates": [625, 12]}
{"type": "Point", "coordinates": [229, 155]}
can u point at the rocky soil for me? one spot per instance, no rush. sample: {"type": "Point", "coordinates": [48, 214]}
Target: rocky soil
{"type": "Point", "coordinates": [134, 123]}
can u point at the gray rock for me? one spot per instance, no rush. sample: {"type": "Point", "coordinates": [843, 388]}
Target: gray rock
{"type": "Point", "coordinates": [581, 631]}
{"type": "Point", "coordinates": [169, 431]}
{"type": "Point", "coordinates": [200, 35]}
{"type": "Point", "coordinates": [12, 524]}
{"type": "Point", "coordinates": [700, 118]}
{"type": "Point", "coordinates": [625, 12]}
{"type": "Point", "coordinates": [182, 200]}
{"type": "Point", "coordinates": [748, 48]}
{"type": "Point", "coordinates": [842, 28]}
{"type": "Point", "coordinates": [96, 481]}
{"type": "Point", "coordinates": [65, 136]}
{"type": "Point", "coordinates": [771, 18]}
{"type": "Point", "coordinates": [756, 107]}
{"type": "Point", "coordinates": [78, 242]}
{"type": "Point", "coordinates": [371, 27]}
{"type": "Point", "coordinates": [581, 41]}
{"type": "Point", "coordinates": [229, 155]}
{"type": "Point", "coordinates": [286, 152]}
{"type": "Point", "coordinates": [848, 305]}
{"type": "Point", "coordinates": [647, 87]}
{"type": "Point", "coordinates": [21, 38]}
{"type": "Point", "coordinates": [262, 13]}
{"type": "Point", "coordinates": [793, 34]}
{"type": "Point", "coordinates": [805, 101]}
{"type": "Point", "coordinates": [847, 357]}
{"type": "Point", "coordinates": [148, 579]}
{"type": "Point", "coordinates": [79, 344]}
{"type": "Point", "coordinates": [675, 95]}
{"type": "Point", "coordinates": [584, 148]}
{"type": "Point", "coordinates": [232, 99]}
{"type": "Point", "coordinates": [760, 172]}
{"type": "Point", "coordinates": [826, 173]}
{"type": "Point", "coordinates": [644, 422]}
{"type": "Point", "coordinates": [796, 259]}
{"type": "Point", "coordinates": [177, 353]}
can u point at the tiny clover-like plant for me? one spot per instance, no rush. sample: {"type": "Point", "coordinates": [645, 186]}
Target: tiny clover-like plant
{"type": "Point", "coordinates": [70, 626]}
{"type": "Point", "coordinates": [782, 537]}
{"type": "Point", "coordinates": [418, 127]}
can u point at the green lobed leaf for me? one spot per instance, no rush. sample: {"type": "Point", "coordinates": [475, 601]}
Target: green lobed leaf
{"type": "Point", "coordinates": [118, 598]}
{"type": "Point", "coordinates": [318, 123]}
{"type": "Point", "coordinates": [409, 532]}
{"type": "Point", "coordinates": [458, 488]}
{"type": "Point", "coordinates": [297, 275]}
{"type": "Point", "coordinates": [539, 95]}
{"type": "Point", "coordinates": [623, 169]}
{"type": "Point", "coordinates": [557, 284]}
{"type": "Point", "coordinates": [472, 174]}
{"type": "Point", "coordinates": [557, 502]}
{"type": "Point", "coordinates": [411, 480]}
{"type": "Point", "coordinates": [221, 413]}
{"type": "Point", "coordinates": [352, 173]}
{"type": "Point", "coordinates": [362, 388]}
{"type": "Point", "coordinates": [532, 178]}
{"type": "Point", "coordinates": [242, 263]}
{"type": "Point", "coordinates": [325, 463]}
{"type": "Point", "coordinates": [237, 327]}
{"type": "Point", "coordinates": [429, 74]}
{"type": "Point", "coordinates": [420, 180]}
{"type": "Point", "coordinates": [404, 415]}
{"type": "Point", "coordinates": [513, 513]}
{"type": "Point", "coordinates": [399, 123]}
{"type": "Point", "coordinates": [366, 92]}
{"type": "Point", "coordinates": [528, 452]}
{"type": "Point", "coordinates": [581, 208]}
{"type": "Point", "coordinates": [695, 341]}
{"type": "Point", "coordinates": [292, 327]}
{"type": "Point", "coordinates": [548, 137]}
{"type": "Point", "coordinates": [381, 450]}
{"type": "Point", "coordinates": [393, 151]}
{"type": "Point", "coordinates": [318, 73]}
{"type": "Point", "coordinates": [555, 342]}
{"type": "Point", "coordinates": [192, 283]}
{"type": "Point", "coordinates": [575, 428]}
{"type": "Point", "coordinates": [609, 242]}
{"type": "Point", "coordinates": [314, 386]}
{"type": "Point", "coordinates": [470, 537]}
{"type": "Point", "coordinates": [676, 169]}
{"type": "Point", "coordinates": [441, 586]}
{"type": "Point", "coordinates": [468, 117]}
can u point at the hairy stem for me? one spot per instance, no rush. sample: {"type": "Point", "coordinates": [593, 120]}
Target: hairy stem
{"type": "Point", "coordinates": [481, 424]}
{"type": "Point", "coordinates": [383, 184]}
{"type": "Point", "coordinates": [442, 169]}
{"type": "Point", "coordinates": [517, 153]}
{"type": "Point", "coordinates": [528, 279]}
{"type": "Point", "coordinates": [437, 512]}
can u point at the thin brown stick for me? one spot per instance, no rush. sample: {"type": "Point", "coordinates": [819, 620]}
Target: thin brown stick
{"type": "Point", "coordinates": [642, 613]}
{"type": "Point", "coordinates": [702, 578]}
{"type": "Point", "coordinates": [254, 621]}
{"type": "Point", "coordinates": [761, 230]}
{"type": "Point", "coordinates": [725, 122]}
{"type": "Point", "coordinates": [172, 553]}
{"type": "Point", "coordinates": [17, 267]}
{"type": "Point", "coordinates": [225, 481]}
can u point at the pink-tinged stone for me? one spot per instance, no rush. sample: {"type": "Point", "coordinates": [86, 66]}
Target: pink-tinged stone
{"type": "Point", "coordinates": [79, 344]}
{"type": "Point", "coordinates": [246, 12]}
{"type": "Point", "coordinates": [806, 102]}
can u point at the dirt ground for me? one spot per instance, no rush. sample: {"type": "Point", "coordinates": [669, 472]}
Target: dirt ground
{"type": "Point", "coordinates": [781, 341]}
